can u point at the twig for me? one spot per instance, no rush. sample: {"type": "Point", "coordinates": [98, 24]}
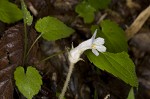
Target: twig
{"type": "Point", "coordinates": [132, 4]}
{"type": "Point", "coordinates": [32, 9]}
{"type": "Point", "coordinates": [107, 96]}
{"type": "Point", "coordinates": [102, 18]}
{"type": "Point", "coordinates": [138, 23]}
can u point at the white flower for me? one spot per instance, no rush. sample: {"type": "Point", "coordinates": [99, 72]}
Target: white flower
{"type": "Point", "coordinates": [92, 43]}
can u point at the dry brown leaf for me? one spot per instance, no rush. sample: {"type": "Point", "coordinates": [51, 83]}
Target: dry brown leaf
{"type": "Point", "coordinates": [10, 57]}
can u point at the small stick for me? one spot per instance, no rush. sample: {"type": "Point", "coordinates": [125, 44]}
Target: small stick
{"type": "Point", "coordinates": [132, 4]}
{"type": "Point", "coordinates": [32, 9]}
{"type": "Point", "coordinates": [138, 23]}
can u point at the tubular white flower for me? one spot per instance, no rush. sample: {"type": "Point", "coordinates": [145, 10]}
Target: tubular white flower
{"type": "Point", "coordinates": [75, 53]}
{"type": "Point", "coordinates": [92, 43]}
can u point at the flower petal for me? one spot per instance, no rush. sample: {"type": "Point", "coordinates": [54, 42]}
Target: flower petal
{"type": "Point", "coordinates": [85, 45]}
{"type": "Point", "coordinates": [72, 46]}
{"type": "Point", "coordinates": [95, 52]}
{"type": "Point", "coordinates": [101, 48]}
{"type": "Point", "coordinates": [94, 35]}
{"type": "Point", "coordinates": [99, 41]}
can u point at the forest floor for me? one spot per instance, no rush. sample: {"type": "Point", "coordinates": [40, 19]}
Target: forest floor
{"type": "Point", "coordinates": [87, 81]}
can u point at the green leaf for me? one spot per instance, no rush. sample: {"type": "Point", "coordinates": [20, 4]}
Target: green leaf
{"type": "Point", "coordinates": [9, 12]}
{"type": "Point", "coordinates": [114, 36]}
{"type": "Point", "coordinates": [131, 94]}
{"type": "Point", "coordinates": [26, 14]}
{"type": "Point", "coordinates": [28, 83]}
{"type": "Point", "coordinates": [86, 11]}
{"type": "Point", "coordinates": [52, 28]}
{"type": "Point", "coordinates": [119, 64]}
{"type": "Point", "coordinates": [99, 4]}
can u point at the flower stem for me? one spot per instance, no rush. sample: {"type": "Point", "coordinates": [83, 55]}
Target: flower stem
{"type": "Point", "coordinates": [33, 45]}
{"type": "Point", "coordinates": [61, 52]}
{"type": "Point", "coordinates": [67, 81]}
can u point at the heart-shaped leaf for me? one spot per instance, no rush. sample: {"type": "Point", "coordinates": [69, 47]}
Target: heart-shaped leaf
{"type": "Point", "coordinates": [28, 83]}
{"type": "Point", "coordinates": [119, 64]}
{"type": "Point", "coordinates": [52, 28]}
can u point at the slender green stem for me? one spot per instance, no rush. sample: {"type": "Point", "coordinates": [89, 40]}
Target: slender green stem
{"type": "Point", "coordinates": [33, 45]}
{"type": "Point", "coordinates": [25, 43]}
{"type": "Point", "coordinates": [25, 33]}
{"type": "Point", "coordinates": [67, 81]}
{"type": "Point", "coordinates": [52, 56]}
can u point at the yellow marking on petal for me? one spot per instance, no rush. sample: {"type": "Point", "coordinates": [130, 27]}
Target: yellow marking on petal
{"type": "Point", "coordinates": [93, 46]}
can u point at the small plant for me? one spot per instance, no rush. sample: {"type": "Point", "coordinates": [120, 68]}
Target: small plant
{"type": "Point", "coordinates": [87, 8]}
{"type": "Point", "coordinates": [117, 63]}
{"type": "Point", "coordinates": [28, 82]}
